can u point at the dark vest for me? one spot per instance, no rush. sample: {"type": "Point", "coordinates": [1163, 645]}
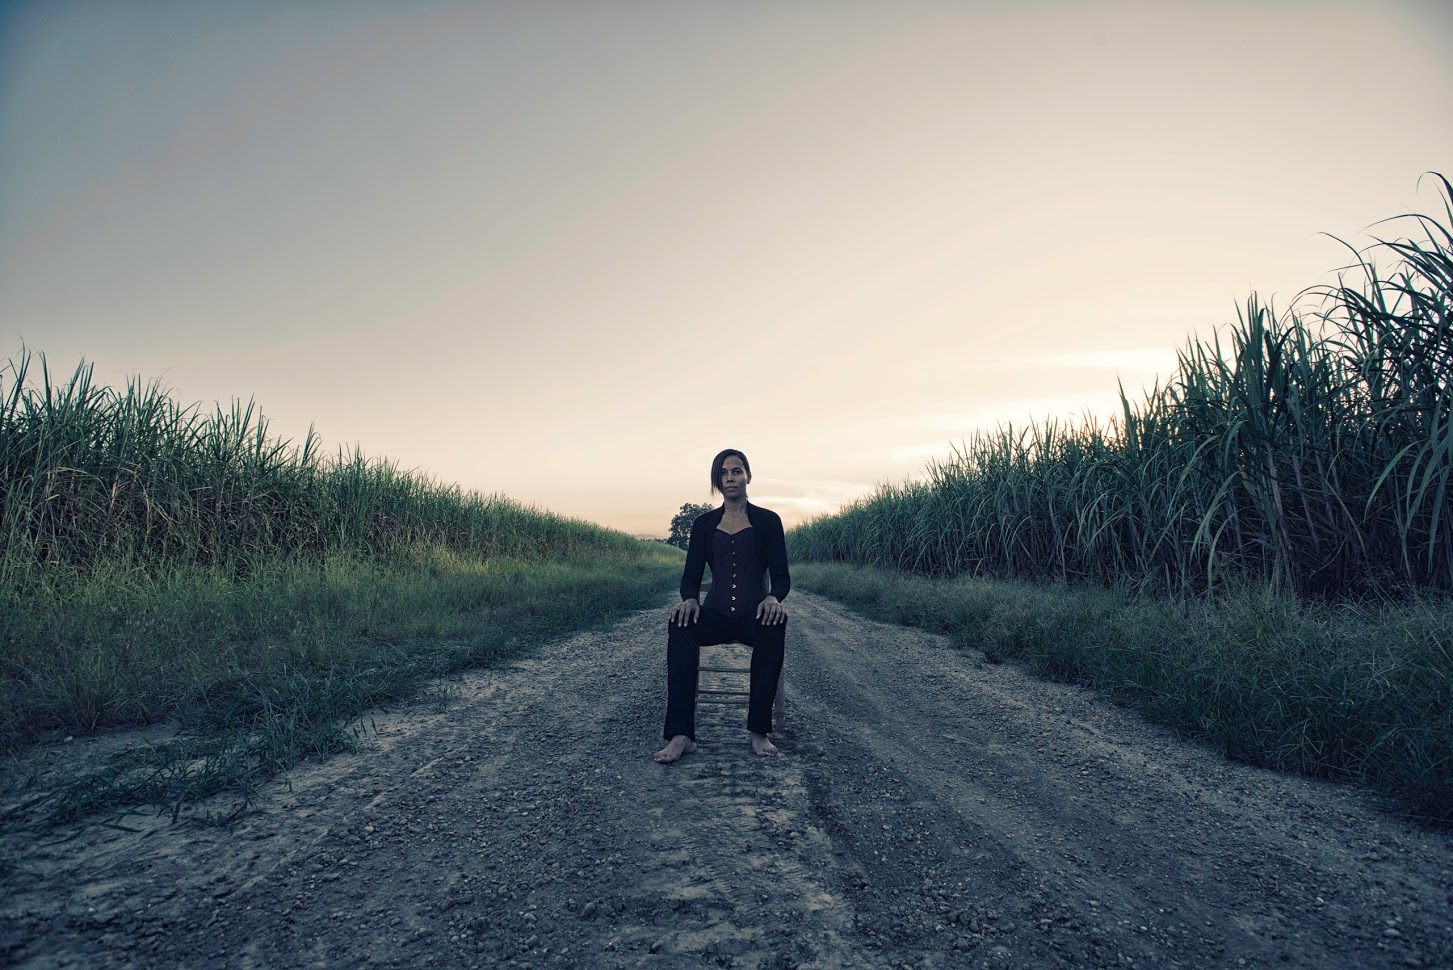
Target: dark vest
{"type": "Point", "coordinates": [738, 577]}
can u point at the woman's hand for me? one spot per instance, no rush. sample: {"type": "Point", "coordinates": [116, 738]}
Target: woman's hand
{"type": "Point", "coordinates": [770, 612]}
{"type": "Point", "coordinates": [684, 612]}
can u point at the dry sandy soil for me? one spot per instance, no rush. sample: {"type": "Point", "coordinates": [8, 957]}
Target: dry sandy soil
{"type": "Point", "coordinates": [927, 809]}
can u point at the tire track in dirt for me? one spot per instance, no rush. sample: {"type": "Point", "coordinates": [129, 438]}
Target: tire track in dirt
{"type": "Point", "coordinates": [928, 810]}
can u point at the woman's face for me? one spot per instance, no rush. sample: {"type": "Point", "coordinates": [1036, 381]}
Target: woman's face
{"type": "Point", "coordinates": [734, 477]}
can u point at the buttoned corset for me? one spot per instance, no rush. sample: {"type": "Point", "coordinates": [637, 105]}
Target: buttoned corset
{"type": "Point", "coordinates": [738, 580]}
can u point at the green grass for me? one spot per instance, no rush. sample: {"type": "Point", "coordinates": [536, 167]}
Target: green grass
{"type": "Point", "coordinates": [1325, 689]}
{"type": "Point", "coordinates": [261, 672]}
{"type": "Point", "coordinates": [1312, 452]}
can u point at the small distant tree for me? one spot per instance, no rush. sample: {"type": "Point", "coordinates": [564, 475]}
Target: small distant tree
{"type": "Point", "coordinates": [681, 523]}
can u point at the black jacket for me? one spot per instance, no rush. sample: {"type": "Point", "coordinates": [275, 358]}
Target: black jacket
{"type": "Point", "coordinates": [767, 537]}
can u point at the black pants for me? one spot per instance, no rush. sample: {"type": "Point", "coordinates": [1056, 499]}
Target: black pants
{"type": "Point", "coordinates": [683, 655]}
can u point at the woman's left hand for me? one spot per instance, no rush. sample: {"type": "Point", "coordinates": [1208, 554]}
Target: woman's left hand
{"type": "Point", "coordinates": [770, 612]}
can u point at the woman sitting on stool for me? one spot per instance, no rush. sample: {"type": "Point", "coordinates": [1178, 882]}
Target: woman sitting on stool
{"type": "Point", "coordinates": [742, 542]}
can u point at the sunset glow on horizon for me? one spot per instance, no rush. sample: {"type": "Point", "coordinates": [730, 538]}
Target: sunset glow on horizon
{"type": "Point", "coordinates": [569, 252]}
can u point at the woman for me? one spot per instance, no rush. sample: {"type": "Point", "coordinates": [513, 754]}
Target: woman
{"type": "Point", "coordinates": [741, 542]}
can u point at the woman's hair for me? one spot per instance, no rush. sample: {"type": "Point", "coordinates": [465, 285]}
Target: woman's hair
{"type": "Point", "coordinates": [720, 459]}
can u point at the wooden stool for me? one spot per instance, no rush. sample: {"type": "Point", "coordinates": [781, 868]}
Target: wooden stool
{"type": "Point", "coordinates": [734, 696]}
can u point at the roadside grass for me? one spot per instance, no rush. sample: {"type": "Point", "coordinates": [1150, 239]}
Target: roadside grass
{"type": "Point", "coordinates": [262, 671]}
{"type": "Point", "coordinates": [1332, 690]}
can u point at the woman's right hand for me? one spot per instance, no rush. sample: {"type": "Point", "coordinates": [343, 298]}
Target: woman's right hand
{"type": "Point", "coordinates": [685, 612]}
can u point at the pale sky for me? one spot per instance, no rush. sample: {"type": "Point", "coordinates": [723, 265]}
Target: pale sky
{"type": "Point", "coordinates": [570, 251]}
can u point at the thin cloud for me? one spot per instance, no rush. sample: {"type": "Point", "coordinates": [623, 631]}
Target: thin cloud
{"type": "Point", "coordinates": [797, 501]}
{"type": "Point", "coordinates": [805, 505]}
{"type": "Point", "coordinates": [1145, 360]}
{"type": "Point", "coordinates": [1158, 359]}
{"type": "Point", "coordinates": [813, 487]}
{"type": "Point", "coordinates": [919, 452]}
{"type": "Point", "coordinates": [1020, 411]}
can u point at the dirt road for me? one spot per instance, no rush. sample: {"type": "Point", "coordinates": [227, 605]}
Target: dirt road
{"type": "Point", "coordinates": [927, 810]}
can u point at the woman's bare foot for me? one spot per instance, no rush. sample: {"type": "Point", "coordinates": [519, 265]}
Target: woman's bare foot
{"type": "Point", "coordinates": [678, 746]}
{"type": "Point", "coordinates": [761, 745]}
